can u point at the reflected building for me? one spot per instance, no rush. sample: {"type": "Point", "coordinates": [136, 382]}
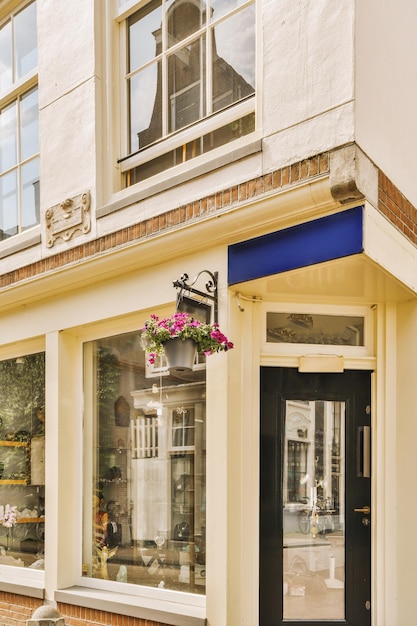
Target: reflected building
{"type": "Point", "coordinates": [187, 97]}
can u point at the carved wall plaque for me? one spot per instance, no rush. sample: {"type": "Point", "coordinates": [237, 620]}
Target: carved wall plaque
{"type": "Point", "coordinates": [68, 219]}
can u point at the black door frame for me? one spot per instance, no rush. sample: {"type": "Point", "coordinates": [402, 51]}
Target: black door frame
{"type": "Point", "coordinates": [354, 388]}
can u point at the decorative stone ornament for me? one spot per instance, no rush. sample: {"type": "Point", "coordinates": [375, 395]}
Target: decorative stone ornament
{"type": "Point", "coordinates": [68, 219]}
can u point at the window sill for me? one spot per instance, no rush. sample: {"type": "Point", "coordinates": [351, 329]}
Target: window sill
{"type": "Point", "coordinates": [165, 611]}
{"type": "Point", "coordinates": [241, 148]}
{"type": "Point", "coordinates": [20, 242]}
{"type": "Point", "coordinates": [22, 581]}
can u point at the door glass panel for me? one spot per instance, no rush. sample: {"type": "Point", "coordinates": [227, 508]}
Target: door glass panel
{"type": "Point", "coordinates": [314, 510]}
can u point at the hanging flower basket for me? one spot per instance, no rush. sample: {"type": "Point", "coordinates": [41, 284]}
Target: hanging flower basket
{"type": "Point", "coordinates": [159, 336]}
{"type": "Point", "coordinates": [180, 353]}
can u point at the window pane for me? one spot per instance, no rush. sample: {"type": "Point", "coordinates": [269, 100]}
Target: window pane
{"type": "Point", "coordinates": [183, 20]}
{"type": "Point", "coordinates": [22, 467]}
{"type": "Point", "coordinates": [5, 56]}
{"type": "Point", "coordinates": [147, 517]}
{"type": "Point", "coordinates": [314, 510]}
{"type": "Point", "coordinates": [335, 330]}
{"type": "Point", "coordinates": [29, 124]}
{"type": "Point", "coordinates": [221, 7]}
{"type": "Point", "coordinates": [30, 194]}
{"type": "Point", "coordinates": [186, 85]}
{"type": "Point", "coordinates": [8, 205]}
{"type": "Point", "coordinates": [8, 137]}
{"type": "Point", "coordinates": [145, 107]}
{"type": "Point", "coordinates": [234, 59]}
{"type": "Point", "coordinates": [25, 40]}
{"type": "Point", "coordinates": [145, 38]}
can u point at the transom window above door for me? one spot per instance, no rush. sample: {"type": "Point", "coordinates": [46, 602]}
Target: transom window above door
{"type": "Point", "coordinates": [190, 81]}
{"type": "Point", "coordinates": [317, 329]}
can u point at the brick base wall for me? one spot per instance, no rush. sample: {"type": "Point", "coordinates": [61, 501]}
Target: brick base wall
{"type": "Point", "coordinates": [395, 206]}
{"type": "Point", "coordinates": [15, 610]}
{"type": "Point", "coordinates": [80, 616]}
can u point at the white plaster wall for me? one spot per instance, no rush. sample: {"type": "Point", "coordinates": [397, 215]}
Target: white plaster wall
{"type": "Point", "coordinates": [67, 86]}
{"type": "Point", "coordinates": [307, 55]}
{"type": "Point", "coordinates": [386, 89]}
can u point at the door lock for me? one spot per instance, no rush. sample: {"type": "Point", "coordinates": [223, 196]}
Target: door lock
{"type": "Point", "coordinates": [365, 510]}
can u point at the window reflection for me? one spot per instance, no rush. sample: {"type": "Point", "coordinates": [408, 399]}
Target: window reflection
{"type": "Point", "coordinates": [314, 510]}
{"type": "Point", "coordinates": [168, 82]}
{"type": "Point", "coordinates": [8, 205]}
{"type": "Point", "coordinates": [22, 461]}
{"type": "Point", "coordinates": [8, 136]}
{"type": "Point", "coordinates": [315, 329]}
{"type": "Point", "coordinates": [233, 59]}
{"type": "Point", "coordinates": [25, 40]}
{"type": "Point", "coordinates": [148, 499]}
{"type": "Point", "coordinates": [30, 194]}
{"type": "Point", "coordinates": [29, 124]}
{"type": "Point", "coordinates": [6, 55]}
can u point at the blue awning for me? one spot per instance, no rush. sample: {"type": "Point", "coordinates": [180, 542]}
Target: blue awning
{"type": "Point", "coordinates": [327, 238]}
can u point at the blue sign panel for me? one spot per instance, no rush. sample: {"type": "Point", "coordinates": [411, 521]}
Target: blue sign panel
{"type": "Point", "coordinates": [327, 238]}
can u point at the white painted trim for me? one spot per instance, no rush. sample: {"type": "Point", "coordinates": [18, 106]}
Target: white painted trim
{"type": "Point", "coordinates": [22, 580]}
{"type": "Point", "coordinates": [16, 243]}
{"type": "Point", "coordinates": [299, 349]}
{"type": "Point", "coordinates": [389, 248]}
{"type": "Point", "coordinates": [159, 610]}
{"type": "Point", "coordinates": [197, 130]}
{"type": "Point", "coordinates": [281, 360]}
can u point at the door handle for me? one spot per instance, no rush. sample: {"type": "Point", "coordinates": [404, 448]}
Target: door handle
{"type": "Point", "coordinates": [365, 510]}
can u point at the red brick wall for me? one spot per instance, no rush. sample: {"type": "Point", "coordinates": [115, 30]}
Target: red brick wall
{"type": "Point", "coordinates": [79, 616]}
{"type": "Point", "coordinates": [395, 206]}
{"type": "Point", "coordinates": [15, 610]}
{"type": "Point", "coordinates": [280, 179]}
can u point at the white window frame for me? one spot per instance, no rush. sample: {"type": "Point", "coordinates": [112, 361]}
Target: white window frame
{"type": "Point", "coordinates": [183, 606]}
{"type": "Point", "coordinates": [297, 349]}
{"type": "Point", "coordinates": [213, 121]}
{"type": "Point", "coordinates": [13, 95]}
{"type": "Point", "coordinates": [23, 580]}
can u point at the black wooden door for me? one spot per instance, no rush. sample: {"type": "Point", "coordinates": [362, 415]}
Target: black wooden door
{"type": "Point", "coordinates": [315, 516]}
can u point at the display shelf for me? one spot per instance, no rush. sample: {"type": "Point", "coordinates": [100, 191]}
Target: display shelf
{"type": "Point", "coordinates": [13, 481]}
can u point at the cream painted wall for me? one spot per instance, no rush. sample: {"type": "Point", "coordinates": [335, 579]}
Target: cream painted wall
{"type": "Point", "coordinates": [67, 84]}
{"type": "Point", "coordinates": [307, 56]}
{"type": "Point", "coordinates": [386, 89]}
{"type": "Point", "coordinates": [404, 509]}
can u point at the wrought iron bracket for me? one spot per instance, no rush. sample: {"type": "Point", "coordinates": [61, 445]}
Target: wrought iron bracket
{"type": "Point", "coordinates": [210, 294]}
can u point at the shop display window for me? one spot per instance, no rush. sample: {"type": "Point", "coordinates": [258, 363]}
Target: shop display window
{"type": "Point", "coordinates": [22, 466]}
{"type": "Point", "coordinates": [144, 514]}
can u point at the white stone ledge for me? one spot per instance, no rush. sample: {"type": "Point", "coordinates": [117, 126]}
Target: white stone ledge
{"type": "Point", "coordinates": [168, 612]}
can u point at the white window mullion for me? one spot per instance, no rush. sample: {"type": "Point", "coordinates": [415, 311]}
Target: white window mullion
{"type": "Point", "coordinates": [19, 165]}
{"type": "Point", "coordinates": [209, 66]}
{"type": "Point", "coordinates": [164, 71]}
{"type": "Point", "coordinates": [124, 106]}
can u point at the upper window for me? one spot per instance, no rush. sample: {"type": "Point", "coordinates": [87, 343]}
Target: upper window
{"type": "Point", "coordinates": [188, 61]}
{"type": "Point", "coordinates": [19, 141]}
